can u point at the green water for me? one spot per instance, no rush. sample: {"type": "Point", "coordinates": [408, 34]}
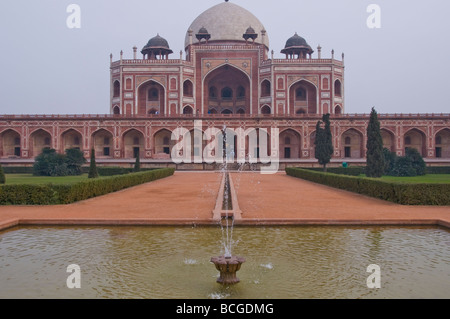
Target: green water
{"type": "Point", "coordinates": [169, 262]}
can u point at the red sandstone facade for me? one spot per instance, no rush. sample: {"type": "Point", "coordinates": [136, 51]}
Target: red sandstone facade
{"type": "Point", "coordinates": [224, 80]}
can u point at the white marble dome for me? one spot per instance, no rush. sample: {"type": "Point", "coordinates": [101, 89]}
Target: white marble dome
{"type": "Point", "coordinates": [227, 22]}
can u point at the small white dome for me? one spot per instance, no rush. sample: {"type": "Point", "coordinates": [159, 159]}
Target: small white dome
{"type": "Point", "coordinates": [227, 22]}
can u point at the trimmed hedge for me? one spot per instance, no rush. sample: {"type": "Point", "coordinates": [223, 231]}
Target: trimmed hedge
{"type": "Point", "coordinates": [18, 169]}
{"type": "Point", "coordinates": [438, 170]}
{"type": "Point", "coordinates": [351, 171]}
{"type": "Point", "coordinates": [50, 194]}
{"type": "Point", "coordinates": [102, 170]}
{"type": "Point", "coordinates": [400, 193]}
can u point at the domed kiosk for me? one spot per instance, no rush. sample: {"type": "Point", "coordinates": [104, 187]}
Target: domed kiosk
{"type": "Point", "coordinates": [157, 46]}
{"type": "Point", "coordinates": [296, 45]}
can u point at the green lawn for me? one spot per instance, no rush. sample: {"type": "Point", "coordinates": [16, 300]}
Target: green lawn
{"type": "Point", "coordinates": [429, 178]}
{"type": "Point", "coordinates": [30, 179]}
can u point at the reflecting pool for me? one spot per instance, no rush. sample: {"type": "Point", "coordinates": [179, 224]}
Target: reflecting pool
{"type": "Point", "coordinates": [174, 262]}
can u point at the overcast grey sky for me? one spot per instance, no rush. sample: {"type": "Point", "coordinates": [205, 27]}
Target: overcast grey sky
{"type": "Point", "coordinates": [47, 68]}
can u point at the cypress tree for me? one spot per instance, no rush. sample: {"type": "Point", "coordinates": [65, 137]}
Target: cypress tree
{"type": "Point", "coordinates": [137, 164]}
{"type": "Point", "coordinates": [375, 157]}
{"type": "Point", "coordinates": [324, 142]}
{"type": "Point", "coordinates": [93, 173]}
{"type": "Point", "coordinates": [2, 176]}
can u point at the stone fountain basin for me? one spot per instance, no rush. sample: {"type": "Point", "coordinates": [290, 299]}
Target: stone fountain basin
{"type": "Point", "coordinates": [228, 266]}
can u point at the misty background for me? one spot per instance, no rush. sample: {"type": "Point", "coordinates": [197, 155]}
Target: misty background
{"type": "Point", "coordinates": [47, 68]}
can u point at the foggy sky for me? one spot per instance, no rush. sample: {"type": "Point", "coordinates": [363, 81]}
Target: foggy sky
{"type": "Point", "coordinates": [47, 68]}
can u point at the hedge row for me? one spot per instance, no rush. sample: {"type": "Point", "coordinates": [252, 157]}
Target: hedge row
{"type": "Point", "coordinates": [50, 194]}
{"type": "Point", "coordinates": [352, 171]}
{"type": "Point", "coordinates": [400, 193]}
{"type": "Point", "coordinates": [18, 169]}
{"type": "Point", "coordinates": [112, 171]}
{"type": "Point", "coordinates": [102, 170]}
{"type": "Point", "coordinates": [438, 170]}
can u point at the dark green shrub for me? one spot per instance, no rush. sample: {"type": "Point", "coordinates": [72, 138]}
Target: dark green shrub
{"type": "Point", "coordinates": [403, 166]}
{"type": "Point", "coordinates": [93, 173]}
{"type": "Point", "coordinates": [2, 176]}
{"type": "Point", "coordinates": [389, 161]}
{"type": "Point", "coordinates": [417, 162]}
{"type": "Point", "coordinates": [375, 157]}
{"type": "Point", "coordinates": [74, 160]}
{"type": "Point", "coordinates": [137, 164]}
{"type": "Point", "coordinates": [412, 164]}
{"type": "Point", "coordinates": [324, 142]}
{"type": "Point", "coordinates": [50, 163]}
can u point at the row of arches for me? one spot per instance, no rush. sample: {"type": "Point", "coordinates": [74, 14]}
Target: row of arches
{"type": "Point", "coordinates": [352, 143]}
{"type": "Point", "coordinates": [132, 142]}
{"type": "Point", "coordinates": [102, 141]}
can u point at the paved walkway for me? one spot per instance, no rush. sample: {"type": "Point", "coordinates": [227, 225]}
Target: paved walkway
{"type": "Point", "coordinates": [281, 199]}
{"type": "Point", "coordinates": [189, 198]}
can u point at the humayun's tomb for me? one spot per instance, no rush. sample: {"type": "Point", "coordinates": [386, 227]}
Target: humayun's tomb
{"type": "Point", "coordinates": [227, 76]}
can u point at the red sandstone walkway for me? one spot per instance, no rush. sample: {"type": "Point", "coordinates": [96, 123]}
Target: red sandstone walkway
{"type": "Point", "coordinates": [189, 198]}
{"type": "Point", "coordinates": [281, 199]}
{"type": "Point", "coordinates": [182, 198]}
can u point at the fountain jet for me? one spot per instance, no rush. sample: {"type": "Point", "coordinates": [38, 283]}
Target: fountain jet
{"type": "Point", "coordinates": [227, 209]}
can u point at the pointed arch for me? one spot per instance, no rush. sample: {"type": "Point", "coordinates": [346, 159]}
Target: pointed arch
{"type": "Point", "coordinates": [103, 143]}
{"type": "Point", "coordinates": [352, 144]}
{"type": "Point", "coordinates": [116, 110]}
{"type": "Point", "coordinates": [303, 97]}
{"type": "Point", "coordinates": [151, 98]}
{"type": "Point", "coordinates": [290, 144]}
{"type": "Point", "coordinates": [116, 88]}
{"type": "Point", "coordinates": [188, 110]}
{"type": "Point", "coordinates": [338, 88]}
{"type": "Point", "coordinates": [415, 138]}
{"type": "Point", "coordinates": [71, 138]}
{"type": "Point", "coordinates": [388, 138]}
{"type": "Point", "coordinates": [10, 143]}
{"type": "Point", "coordinates": [133, 143]}
{"type": "Point", "coordinates": [188, 88]}
{"type": "Point", "coordinates": [442, 141]}
{"type": "Point", "coordinates": [163, 143]}
{"type": "Point", "coordinates": [265, 88]}
{"type": "Point", "coordinates": [39, 140]}
{"type": "Point", "coordinates": [266, 110]}
{"type": "Point", "coordinates": [227, 88]}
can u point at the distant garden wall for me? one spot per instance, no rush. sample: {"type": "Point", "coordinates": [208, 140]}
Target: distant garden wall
{"type": "Point", "coordinates": [400, 193]}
